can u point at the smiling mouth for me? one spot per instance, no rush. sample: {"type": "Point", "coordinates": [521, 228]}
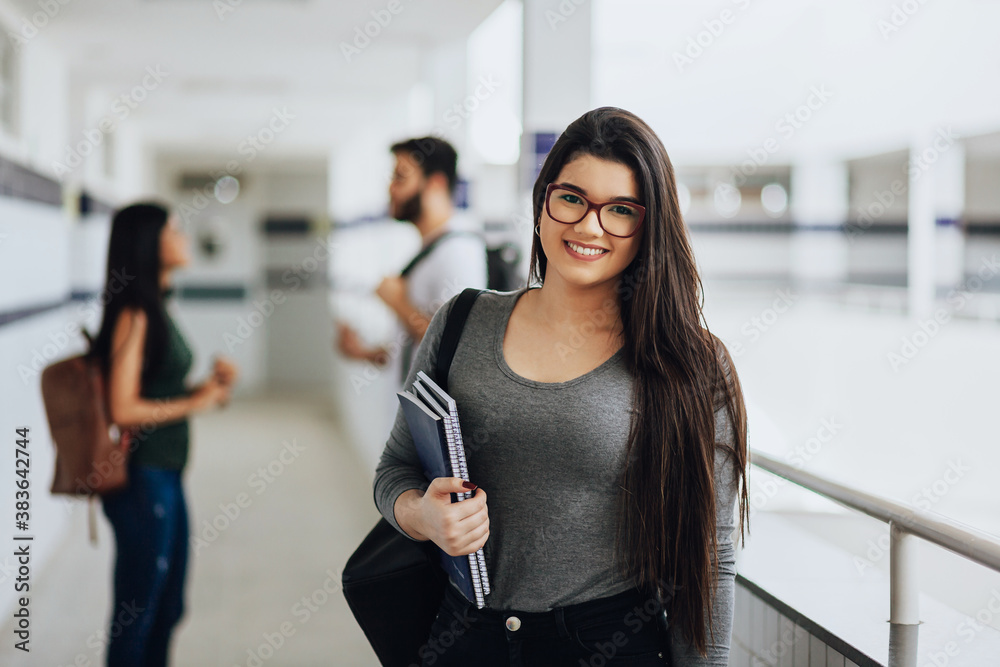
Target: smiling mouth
{"type": "Point", "coordinates": [584, 250]}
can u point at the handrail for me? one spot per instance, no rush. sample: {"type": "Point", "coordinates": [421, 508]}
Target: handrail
{"type": "Point", "coordinates": [905, 523]}
{"type": "Point", "coordinates": [963, 540]}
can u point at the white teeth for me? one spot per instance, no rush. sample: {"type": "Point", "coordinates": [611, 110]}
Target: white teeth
{"type": "Point", "coordinates": [585, 251]}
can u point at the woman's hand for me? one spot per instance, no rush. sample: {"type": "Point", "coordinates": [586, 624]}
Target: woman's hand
{"type": "Point", "coordinates": [209, 394]}
{"type": "Point", "coordinates": [458, 528]}
{"type": "Point", "coordinates": [226, 371]}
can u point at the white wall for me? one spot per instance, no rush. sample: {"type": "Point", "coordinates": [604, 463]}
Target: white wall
{"type": "Point", "coordinates": [283, 344]}
{"type": "Point", "coordinates": [879, 187]}
{"type": "Point", "coordinates": [300, 332]}
{"type": "Point", "coordinates": [46, 253]}
{"type": "Point", "coordinates": [982, 194]}
{"type": "Point", "coordinates": [732, 255]}
{"type": "Point", "coordinates": [34, 270]}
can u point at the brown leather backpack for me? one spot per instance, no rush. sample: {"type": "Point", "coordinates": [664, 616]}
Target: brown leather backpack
{"type": "Point", "coordinates": [91, 451]}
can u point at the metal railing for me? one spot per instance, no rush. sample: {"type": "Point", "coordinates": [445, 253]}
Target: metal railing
{"type": "Point", "coordinates": [906, 524]}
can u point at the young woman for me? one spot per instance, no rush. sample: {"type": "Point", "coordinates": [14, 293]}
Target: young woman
{"type": "Point", "coordinates": [146, 360]}
{"type": "Point", "coordinates": [606, 422]}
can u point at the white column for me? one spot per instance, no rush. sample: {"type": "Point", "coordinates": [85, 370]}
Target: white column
{"type": "Point", "coordinates": [819, 204]}
{"type": "Point", "coordinates": [935, 245]}
{"type": "Point", "coordinates": [949, 206]}
{"type": "Point", "coordinates": [134, 162]}
{"type": "Point", "coordinates": [443, 74]}
{"type": "Point", "coordinates": [921, 229]}
{"type": "Point", "coordinates": [557, 75]}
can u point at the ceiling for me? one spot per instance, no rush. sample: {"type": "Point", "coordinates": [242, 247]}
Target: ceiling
{"type": "Point", "coordinates": [229, 63]}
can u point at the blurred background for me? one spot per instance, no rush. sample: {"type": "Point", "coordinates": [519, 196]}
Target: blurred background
{"type": "Point", "coordinates": [838, 167]}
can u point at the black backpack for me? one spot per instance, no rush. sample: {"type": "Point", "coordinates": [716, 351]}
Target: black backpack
{"type": "Point", "coordinates": [501, 261]}
{"type": "Point", "coordinates": [393, 584]}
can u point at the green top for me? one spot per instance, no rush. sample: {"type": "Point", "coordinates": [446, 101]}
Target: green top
{"type": "Point", "coordinates": [167, 445]}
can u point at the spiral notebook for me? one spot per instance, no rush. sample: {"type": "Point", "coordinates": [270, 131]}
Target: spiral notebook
{"type": "Point", "coordinates": [432, 416]}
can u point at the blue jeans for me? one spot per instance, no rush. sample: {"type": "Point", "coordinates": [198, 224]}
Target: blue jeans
{"type": "Point", "coordinates": [150, 522]}
{"type": "Point", "coordinates": [614, 631]}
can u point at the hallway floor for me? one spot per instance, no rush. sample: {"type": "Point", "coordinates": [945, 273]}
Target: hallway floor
{"type": "Point", "coordinates": [273, 563]}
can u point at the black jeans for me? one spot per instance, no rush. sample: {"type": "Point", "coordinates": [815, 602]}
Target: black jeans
{"type": "Point", "coordinates": [614, 631]}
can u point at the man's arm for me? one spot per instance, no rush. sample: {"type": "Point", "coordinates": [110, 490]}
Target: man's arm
{"type": "Point", "coordinates": [392, 290]}
{"type": "Point", "coordinates": [351, 346]}
{"type": "Point", "coordinates": [455, 264]}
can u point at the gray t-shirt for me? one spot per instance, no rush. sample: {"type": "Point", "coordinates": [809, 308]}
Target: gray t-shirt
{"type": "Point", "coordinates": [548, 455]}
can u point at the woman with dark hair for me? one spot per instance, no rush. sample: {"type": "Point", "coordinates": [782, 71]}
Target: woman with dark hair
{"type": "Point", "coordinates": [146, 358]}
{"type": "Point", "coordinates": [607, 423]}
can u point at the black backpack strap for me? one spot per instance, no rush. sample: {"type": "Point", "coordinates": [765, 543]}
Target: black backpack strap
{"type": "Point", "coordinates": [453, 331]}
{"type": "Point", "coordinates": [429, 248]}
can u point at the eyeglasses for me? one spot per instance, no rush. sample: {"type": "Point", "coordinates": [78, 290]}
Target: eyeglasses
{"type": "Point", "coordinates": [569, 206]}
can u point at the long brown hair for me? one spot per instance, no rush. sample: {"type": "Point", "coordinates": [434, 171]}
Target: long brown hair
{"type": "Point", "coordinates": [682, 374]}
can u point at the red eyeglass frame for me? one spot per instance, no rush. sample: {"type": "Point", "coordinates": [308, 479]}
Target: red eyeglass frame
{"type": "Point", "coordinates": [594, 205]}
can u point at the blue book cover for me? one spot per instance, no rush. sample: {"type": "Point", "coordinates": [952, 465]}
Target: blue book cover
{"type": "Point", "coordinates": [458, 468]}
{"type": "Point", "coordinates": [428, 432]}
{"type": "Point", "coordinates": [446, 406]}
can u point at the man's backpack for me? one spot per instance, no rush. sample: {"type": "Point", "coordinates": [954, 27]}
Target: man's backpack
{"type": "Point", "coordinates": [91, 452]}
{"type": "Point", "coordinates": [501, 261]}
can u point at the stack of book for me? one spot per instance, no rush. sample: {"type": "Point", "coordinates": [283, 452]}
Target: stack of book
{"type": "Point", "coordinates": [432, 416]}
